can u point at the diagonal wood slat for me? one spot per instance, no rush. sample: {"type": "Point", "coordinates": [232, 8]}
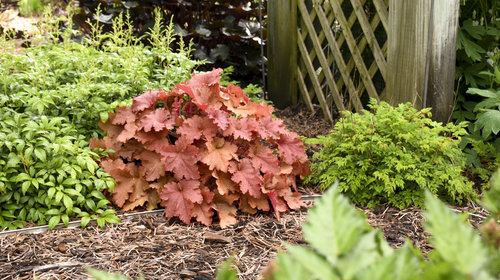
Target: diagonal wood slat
{"type": "Point", "coordinates": [351, 43]}
{"type": "Point", "coordinates": [370, 36]}
{"type": "Point", "coordinates": [321, 56]}
{"type": "Point", "coordinates": [312, 75]}
{"type": "Point", "coordinates": [349, 50]}
{"type": "Point", "coordinates": [340, 61]}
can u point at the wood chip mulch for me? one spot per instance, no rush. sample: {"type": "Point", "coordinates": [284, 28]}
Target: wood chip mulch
{"type": "Point", "coordinates": [152, 246]}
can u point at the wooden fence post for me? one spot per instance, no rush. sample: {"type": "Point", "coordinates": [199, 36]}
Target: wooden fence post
{"type": "Point", "coordinates": [408, 52]}
{"type": "Point", "coordinates": [282, 52]}
{"type": "Point", "coordinates": [440, 90]}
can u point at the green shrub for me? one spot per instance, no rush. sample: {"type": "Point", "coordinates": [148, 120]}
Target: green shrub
{"type": "Point", "coordinates": [392, 156]}
{"type": "Point", "coordinates": [48, 173]}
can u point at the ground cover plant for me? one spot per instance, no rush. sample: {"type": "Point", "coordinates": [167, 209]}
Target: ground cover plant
{"type": "Point", "coordinates": [202, 147]}
{"type": "Point", "coordinates": [392, 155]}
{"type": "Point", "coordinates": [48, 174]}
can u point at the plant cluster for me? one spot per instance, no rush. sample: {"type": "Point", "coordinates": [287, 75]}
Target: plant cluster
{"type": "Point", "coordinates": [104, 71]}
{"type": "Point", "coordinates": [224, 33]}
{"type": "Point", "coordinates": [392, 156]}
{"type": "Point", "coordinates": [52, 95]}
{"type": "Point", "coordinates": [344, 246]}
{"type": "Point", "coordinates": [478, 70]}
{"type": "Point", "coordinates": [202, 147]}
{"type": "Point", "coordinates": [48, 174]}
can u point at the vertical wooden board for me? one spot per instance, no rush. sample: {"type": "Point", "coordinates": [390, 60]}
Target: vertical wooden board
{"type": "Point", "coordinates": [282, 52]}
{"type": "Point", "coordinates": [440, 89]}
{"type": "Point", "coordinates": [406, 55]}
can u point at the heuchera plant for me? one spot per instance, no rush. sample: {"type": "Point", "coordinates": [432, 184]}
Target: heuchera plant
{"type": "Point", "coordinates": [202, 147]}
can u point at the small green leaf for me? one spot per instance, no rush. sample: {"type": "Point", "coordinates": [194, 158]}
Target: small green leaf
{"type": "Point", "coordinates": [54, 221]}
{"type": "Point", "coordinates": [101, 222]}
{"type": "Point", "coordinates": [53, 212]}
{"type": "Point", "coordinates": [68, 202]}
{"type": "Point", "coordinates": [40, 154]}
{"type": "Point", "coordinates": [51, 192]}
{"type": "Point", "coordinates": [85, 220]}
{"type": "Point", "coordinates": [112, 219]}
{"type": "Point", "coordinates": [65, 219]}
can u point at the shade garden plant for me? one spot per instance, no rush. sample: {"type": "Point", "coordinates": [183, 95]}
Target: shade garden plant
{"type": "Point", "coordinates": [392, 155]}
{"type": "Point", "coordinates": [201, 149]}
{"type": "Point", "coordinates": [52, 94]}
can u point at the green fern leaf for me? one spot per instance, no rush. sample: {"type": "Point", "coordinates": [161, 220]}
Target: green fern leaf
{"type": "Point", "coordinates": [455, 242]}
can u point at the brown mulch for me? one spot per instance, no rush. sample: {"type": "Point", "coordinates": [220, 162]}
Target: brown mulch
{"type": "Point", "coordinates": [158, 248]}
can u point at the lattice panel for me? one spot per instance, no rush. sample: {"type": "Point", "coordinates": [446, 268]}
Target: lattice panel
{"type": "Point", "coordinates": [342, 53]}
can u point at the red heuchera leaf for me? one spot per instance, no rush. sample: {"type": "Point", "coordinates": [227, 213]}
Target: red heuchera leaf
{"type": "Point", "coordinates": [241, 128]}
{"type": "Point", "coordinates": [271, 128]}
{"type": "Point", "coordinates": [181, 159]}
{"type": "Point", "coordinates": [195, 127]}
{"type": "Point", "coordinates": [127, 179]}
{"type": "Point", "coordinates": [130, 149]}
{"type": "Point", "coordinates": [224, 183]}
{"type": "Point", "coordinates": [291, 148]}
{"type": "Point", "coordinates": [204, 89]}
{"type": "Point", "coordinates": [203, 211]}
{"type": "Point", "coordinates": [179, 198]}
{"type": "Point", "coordinates": [152, 167]}
{"type": "Point", "coordinates": [111, 130]}
{"type": "Point", "coordinates": [227, 151]}
{"type": "Point", "coordinates": [124, 115]}
{"type": "Point", "coordinates": [157, 120]}
{"type": "Point", "coordinates": [190, 109]}
{"type": "Point", "coordinates": [264, 159]}
{"type": "Point", "coordinates": [219, 117]}
{"type": "Point", "coordinates": [278, 204]}
{"type": "Point", "coordinates": [219, 153]}
{"type": "Point", "coordinates": [227, 214]}
{"type": "Point", "coordinates": [128, 133]}
{"type": "Point", "coordinates": [147, 100]}
{"type": "Point", "coordinates": [153, 141]}
{"type": "Point", "coordinates": [248, 178]}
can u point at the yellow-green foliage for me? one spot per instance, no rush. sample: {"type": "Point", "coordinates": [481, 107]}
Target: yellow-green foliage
{"type": "Point", "coordinates": [391, 156]}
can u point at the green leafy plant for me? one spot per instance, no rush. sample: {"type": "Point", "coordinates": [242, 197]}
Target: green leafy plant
{"type": "Point", "coordinates": [343, 246]}
{"type": "Point", "coordinates": [478, 68]}
{"type": "Point", "coordinates": [391, 156]}
{"type": "Point", "coordinates": [201, 149]}
{"type": "Point", "coordinates": [47, 174]}
{"type": "Point", "coordinates": [83, 82]}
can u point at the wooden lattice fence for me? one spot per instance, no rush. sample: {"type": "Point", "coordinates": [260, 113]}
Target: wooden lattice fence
{"type": "Point", "coordinates": [334, 53]}
{"type": "Point", "coordinates": [339, 52]}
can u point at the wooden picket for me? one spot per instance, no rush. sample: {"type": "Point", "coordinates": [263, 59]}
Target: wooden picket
{"type": "Point", "coordinates": [340, 52]}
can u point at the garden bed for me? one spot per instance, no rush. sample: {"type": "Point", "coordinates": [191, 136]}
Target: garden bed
{"type": "Point", "coordinates": [158, 248]}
